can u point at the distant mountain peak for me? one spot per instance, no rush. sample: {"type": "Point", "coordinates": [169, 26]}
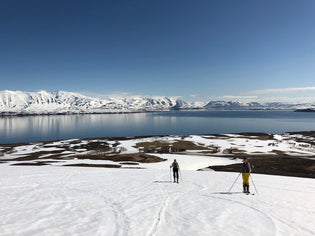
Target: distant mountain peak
{"type": "Point", "coordinates": [63, 102]}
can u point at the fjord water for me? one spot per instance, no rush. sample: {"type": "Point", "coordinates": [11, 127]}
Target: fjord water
{"type": "Point", "coordinates": [44, 128]}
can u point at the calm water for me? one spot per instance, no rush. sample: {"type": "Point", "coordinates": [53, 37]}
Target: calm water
{"type": "Point", "coordinates": [43, 128]}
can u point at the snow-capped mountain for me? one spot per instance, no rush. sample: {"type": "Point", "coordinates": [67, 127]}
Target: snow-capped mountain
{"type": "Point", "coordinates": [61, 102]}
{"type": "Point", "coordinates": [231, 105]}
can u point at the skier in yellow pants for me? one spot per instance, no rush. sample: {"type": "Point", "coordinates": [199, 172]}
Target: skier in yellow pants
{"type": "Point", "coordinates": [246, 169]}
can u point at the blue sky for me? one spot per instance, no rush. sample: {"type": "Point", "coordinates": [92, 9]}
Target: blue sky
{"type": "Point", "coordinates": [199, 50]}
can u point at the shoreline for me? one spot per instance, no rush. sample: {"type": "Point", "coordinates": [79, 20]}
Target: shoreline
{"type": "Point", "coordinates": [114, 138]}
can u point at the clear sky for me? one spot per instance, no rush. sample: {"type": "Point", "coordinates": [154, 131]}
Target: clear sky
{"type": "Point", "coordinates": [199, 50]}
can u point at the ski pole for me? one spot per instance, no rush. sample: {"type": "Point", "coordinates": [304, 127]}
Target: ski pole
{"type": "Point", "coordinates": [234, 183]}
{"type": "Point", "coordinates": [170, 175]}
{"type": "Point", "coordinates": [180, 173]}
{"type": "Point", "coordinates": [253, 183]}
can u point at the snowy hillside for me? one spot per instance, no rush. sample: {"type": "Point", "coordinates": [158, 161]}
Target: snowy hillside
{"type": "Point", "coordinates": [17, 102]}
{"type": "Point", "coordinates": [50, 200]}
{"type": "Point", "coordinates": [43, 195]}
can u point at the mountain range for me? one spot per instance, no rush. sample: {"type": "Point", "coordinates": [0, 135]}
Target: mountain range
{"type": "Point", "coordinates": [62, 102]}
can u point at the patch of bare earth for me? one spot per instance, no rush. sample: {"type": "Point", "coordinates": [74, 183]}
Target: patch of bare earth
{"type": "Point", "coordinates": [133, 157]}
{"type": "Point", "coordinates": [97, 145]}
{"type": "Point", "coordinates": [153, 144]}
{"type": "Point", "coordinates": [177, 145]}
{"type": "Point", "coordinates": [257, 136]}
{"type": "Point", "coordinates": [216, 136]}
{"type": "Point", "coordinates": [187, 145]}
{"type": "Point", "coordinates": [94, 165]}
{"type": "Point", "coordinates": [37, 163]}
{"type": "Point", "coordinates": [277, 165]}
{"type": "Point", "coordinates": [101, 166]}
{"type": "Point", "coordinates": [36, 155]}
{"type": "Point", "coordinates": [30, 164]}
{"type": "Point", "coordinates": [129, 163]}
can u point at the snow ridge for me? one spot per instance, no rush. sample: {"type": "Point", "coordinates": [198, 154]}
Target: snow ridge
{"type": "Point", "coordinates": [62, 102]}
{"type": "Point", "coordinates": [234, 105]}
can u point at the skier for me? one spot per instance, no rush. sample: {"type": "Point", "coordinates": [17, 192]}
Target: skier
{"type": "Point", "coordinates": [175, 167]}
{"type": "Point", "coordinates": [246, 169]}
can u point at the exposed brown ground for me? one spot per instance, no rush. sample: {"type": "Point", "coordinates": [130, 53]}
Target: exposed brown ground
{"type": "Point", "coordinates": [259, 136]}
{"type": "Point", "coordinates": [278, 165]}
{"type": "Point", "coordinates": [129, 163]}
{"type": "Point", "coordinates": [134, 157]}
{"type": "Point", "coordinates": [30, 164]}
{"type": "Point", "coordinates": [127, 159]}
{"type": "Point", "coordinates": [101, 166]}
{"type": "Point", "coordinates": [94, 165]}
{"type": "Point", "coordinates": [181, 144]}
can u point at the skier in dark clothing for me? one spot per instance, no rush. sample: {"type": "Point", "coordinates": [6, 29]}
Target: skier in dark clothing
{"type": "Point", "coordinates": [175, 167]}
{"type": "Point", "coordinates": [246, 169]}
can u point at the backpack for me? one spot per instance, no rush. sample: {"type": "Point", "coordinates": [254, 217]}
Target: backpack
{"type": "Point", "coordinates": [245, 167]}
{"type": "Point", "coordinates": [175, 166]}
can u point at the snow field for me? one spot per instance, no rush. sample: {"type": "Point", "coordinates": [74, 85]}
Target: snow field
{"type": "Point", "coordinates": [52, 200]}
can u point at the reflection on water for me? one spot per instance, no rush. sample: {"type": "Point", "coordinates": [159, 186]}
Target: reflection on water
{"type": "Point", "coordinates": [36, 128]}
{"type": "Point", "coordinates": [41, 128]}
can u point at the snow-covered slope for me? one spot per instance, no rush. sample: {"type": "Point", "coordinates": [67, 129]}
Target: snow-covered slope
{"type": "Point", "coordinates": [50, 200]}
{"type": "Point", "coordinates": [18, 102]}
{"type": "Point", "coordinates": [59, 200]}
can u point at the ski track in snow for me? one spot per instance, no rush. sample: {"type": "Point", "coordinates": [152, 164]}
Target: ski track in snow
{"type": "Point", "coordinates": [161, 213]}
{"type": "Point", "coordinates": [261, 214]}
{"type": "Point", "coordinates": [175, 216]}
{"type": "Point", "coordinates": [280, 206]}
{"type": "Point", "coordinates": [121, 225]}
